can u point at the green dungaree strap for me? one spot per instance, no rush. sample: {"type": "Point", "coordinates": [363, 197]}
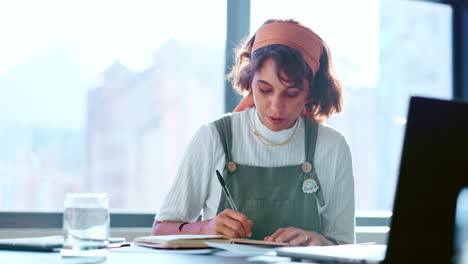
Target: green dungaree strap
{"type": "Point", "coordinates": [273, 197]}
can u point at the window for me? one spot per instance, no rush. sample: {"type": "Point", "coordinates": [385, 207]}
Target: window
{"type": "Point", "coordinates": [384, 51]}
{"type": "Point", "coordinates": [95, 95]}
{"type": "Point", "coordinates": [103, 96]}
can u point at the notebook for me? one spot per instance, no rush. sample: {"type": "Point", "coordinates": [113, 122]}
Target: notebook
{"type": "Point", "coordinates": [433, 170]}
{"type": "Point", "coordinates": [196, 241]}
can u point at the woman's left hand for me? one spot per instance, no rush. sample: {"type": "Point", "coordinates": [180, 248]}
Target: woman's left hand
{"type": "Point", "coordinates": [296, 236]}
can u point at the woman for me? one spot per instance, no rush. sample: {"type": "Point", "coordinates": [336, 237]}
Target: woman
{"type": "Point", "coordinates": [290, 177]}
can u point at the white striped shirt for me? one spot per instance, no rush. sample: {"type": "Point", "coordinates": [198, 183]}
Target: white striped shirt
{"type": "Point", "coordinates": [196, 190]}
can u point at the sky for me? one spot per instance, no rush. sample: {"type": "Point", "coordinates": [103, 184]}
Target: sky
{"type": "Point", "coordinates": [41, 40]}
{"type": "Point", "coordinates": [103, 31]}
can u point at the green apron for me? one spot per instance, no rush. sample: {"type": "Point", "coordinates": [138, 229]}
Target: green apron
{"type": "Point", "coordinates": [275, 197]}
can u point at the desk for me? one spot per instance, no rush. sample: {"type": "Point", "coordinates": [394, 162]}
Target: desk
{"type": "Point", "coordinates": [117, 256]}
{"type": "Point", "coordinates": [17, 257]}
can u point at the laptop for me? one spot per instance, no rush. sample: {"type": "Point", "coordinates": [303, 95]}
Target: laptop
{"type": "Point", "coordinates": [433, 170]}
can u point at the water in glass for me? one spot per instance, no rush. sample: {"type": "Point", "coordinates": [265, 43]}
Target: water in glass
{"type": "Point", "coordinates": [86, 223]}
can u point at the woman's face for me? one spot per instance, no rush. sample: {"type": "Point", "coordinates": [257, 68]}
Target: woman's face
{"type": "Point", "coordinates": [278, 104]}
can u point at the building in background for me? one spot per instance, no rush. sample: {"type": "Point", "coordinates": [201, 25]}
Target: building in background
{"type": "Point", "coordinates": [140, 123]}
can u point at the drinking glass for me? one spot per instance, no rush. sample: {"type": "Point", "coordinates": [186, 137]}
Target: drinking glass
{"type": "Point", "coordinates": [86, 224]}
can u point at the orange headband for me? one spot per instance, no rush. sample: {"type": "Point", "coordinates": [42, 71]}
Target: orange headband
{"type": "Point", "coordinates": [294, 36]}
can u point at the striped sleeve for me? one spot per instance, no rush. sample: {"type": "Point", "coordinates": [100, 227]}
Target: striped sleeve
{"type": "Point", "coordinates": [187, 195]}
{"type": "Point", "coordinates": [339, 217]}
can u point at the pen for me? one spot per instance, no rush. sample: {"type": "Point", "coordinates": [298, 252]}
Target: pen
{"type": "Point", "coordinates": [226, 191]}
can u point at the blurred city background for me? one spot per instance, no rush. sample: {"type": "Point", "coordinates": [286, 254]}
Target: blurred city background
{"type": "Point", "coordinates": [103, 96]}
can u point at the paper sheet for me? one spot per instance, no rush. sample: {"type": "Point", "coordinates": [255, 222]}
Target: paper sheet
{"type": "Point", "coordinates": [241, 249]}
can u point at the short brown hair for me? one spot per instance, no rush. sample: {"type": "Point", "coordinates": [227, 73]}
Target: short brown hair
{"type": "Point", "coordinates": [326, 97]}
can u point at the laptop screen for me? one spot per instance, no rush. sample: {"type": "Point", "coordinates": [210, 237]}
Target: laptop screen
{"type": "Point", "coordinates": [433, 170]}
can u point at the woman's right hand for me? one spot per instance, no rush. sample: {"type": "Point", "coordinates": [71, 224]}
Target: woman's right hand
{"type": "Point", "coordinates": [228, 223]}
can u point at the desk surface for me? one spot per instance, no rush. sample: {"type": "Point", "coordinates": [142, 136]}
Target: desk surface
{"type": "Point", "coordinates": [124, 258]}
{"type": "Point", "coordinates": [123, 255]}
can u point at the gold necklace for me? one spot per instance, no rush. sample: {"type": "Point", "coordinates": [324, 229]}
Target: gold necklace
{"type": "Point", "coordinates": [267, 142]}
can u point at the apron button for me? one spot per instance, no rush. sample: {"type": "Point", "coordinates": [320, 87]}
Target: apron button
{"type": "Point", "coordinates": [231, 166]}
{"type": "Point", "coordinates": [306, 167]}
